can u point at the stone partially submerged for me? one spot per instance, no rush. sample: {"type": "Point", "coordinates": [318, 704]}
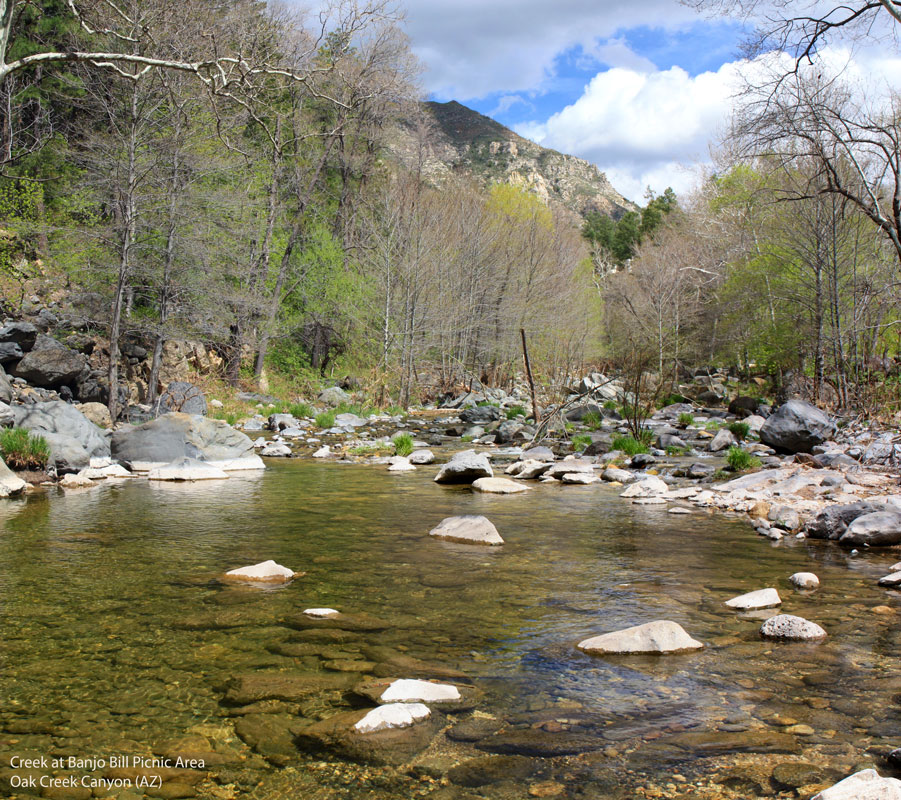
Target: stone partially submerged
{"type": "Point", "coordinates": [660, 636]}
{"type": "Point", "coordinates": [265, 572]}
{"type": "Point", "coordinates": [762, 598]}
{"type": "Point", "coordinates": [467, 529]}
{"type": "Point", "coordinates": [787, 626]}
{"type": "Point", "coordinates": [392, 715]}
{"type": "Point", "coordinates": [881, 529]}
{"type": "Point", "coordinates": [465, 467]}
{"type": "Point", "coordinates": [186, 469]}
{"type": "Point", "coordinates": [498, 486]}
{"type": "Point", "coordinates": [864, 785]}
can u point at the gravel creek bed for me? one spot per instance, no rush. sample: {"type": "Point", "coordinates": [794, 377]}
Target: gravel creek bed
{"type": "Point", "coordinates": [117, 638]}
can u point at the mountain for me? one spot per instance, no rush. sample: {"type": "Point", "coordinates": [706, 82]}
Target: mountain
{"type": "Point", "coordinates": [460, 140]}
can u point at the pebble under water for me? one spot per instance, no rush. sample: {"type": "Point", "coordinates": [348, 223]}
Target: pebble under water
{"type": "Point", "coordinates": [118, 639]}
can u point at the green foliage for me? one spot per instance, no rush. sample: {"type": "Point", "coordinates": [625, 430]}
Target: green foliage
{"type": "Point", "coordinates": [231, 417]}
{"type": "Point", "coordinates": [629, 445]}
{"type": "Point", "coordinates": [610, 405]}
{"type": "Point", "coordinates": [395, 411]}
{"type": "Point", "coordinates": [686, 418]}
{"type": "Point", "coordinates": [592, 420]}
{"type": "Point", "coordinates": [23, 450]}
{"type": "Point", "coordinates": [403, 444]}
{"type": "Point", "coordinates": [326, 419]}
{"type": "Point", "coordinates": [740, 460]}
{"type": "Point", "coordinates": [672, 450]}
{"type": "Point", "coordinates": [515, 411]}
{"type": "Point", "coordinates": [483, 403]}
{"type": "Point", "coordinates": [670, 399]}
{"type": "Point", "coordinates": [739, 429]}
{"type": "Point", "coordinates": [299, 410]}
{"type": "Point", "coordinates": [467, 438]}
{"type": "Point", "coordinates": [620, 238]}
{"type": "Point", "coordinates": [287, 357]}
{"type": "Point", "coordinates": [712, 425]}
{"type": "Point", "coordinates": [720, 475]}
{"type": "Point", "coordinates": [581, 441]}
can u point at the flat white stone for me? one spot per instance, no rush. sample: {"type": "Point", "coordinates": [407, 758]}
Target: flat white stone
{"type": "Point", "coordinates": [891, 580]}
{"type": "Point", "coordinates": [264, 572]}
{"type": "Point", "coordinates": [864, 785]}
{"type": "Point", "coordinates": [805, 580]}
{"type": "Point", "coordinates": [660, 636]}
{"type": "Point", "coordinates": [186, 469]}
{"type": "Point", "coordinates": [651, 486]}
{"type": "Point", "coordinates": [239, 464]}
{"type": "Point", "coordinates": [400, 464]}
{"type": "Point", "coordinates": [649, 501]}
{"type": "Point", "coordinates": [762, 598]}
{"type": "Point", "coordinates": [679, 510]}
{"type": "Point", "coordinates": [498, 486]}
{"type": "Point", "coordinates": [895, 567]}
{"type": "Point", "coordinates": [73, 481]}
{"type": "Point", "coordinates": [394, 715]}
{"type": "Point", "coordinates": [467, 529]}
{"type": "Point", "coordinates": [408, 690]}
{"type": "Point", "coordinates": [580, 478]}
{"type": "Point", "coordinates": [321, 612]}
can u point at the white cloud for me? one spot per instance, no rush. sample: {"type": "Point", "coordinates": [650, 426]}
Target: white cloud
{"type": "Point", "coordinates": [472, 48]}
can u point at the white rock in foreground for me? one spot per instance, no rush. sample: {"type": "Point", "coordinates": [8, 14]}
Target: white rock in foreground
{"type": "Point", "coordinates": [467, 529]}
{"type": "Point", "coordinates": [323, 452]}
{"type": "Point", "coordinates": [805, 580]}
{"type": "Point", "coordinates": [408, 690]}
{"type": "Point", "coordinates": [321, 612]}
{"type": "Point", "coordinates": [786, 626]}
{"type": "Point", "coordinates": [762, 598]}
{"type": "Point", "coordinates": [400, 464]}
{"type": "Point", "coordinates": [394, 715]}
{"type": "Point", "coordinates": [498, 486]}
{"type": "Point", "coordinates": [865, 785]}
{"type": "Point", "coordinates": [186, 469]}
{"type": "Point", "coordinates": [660, 636]}
{"type": "Point", "coordinates": [651, 486]}
{"type": "Point", "coordinates": [894, 579]}
{"type": "Point", "coordinates": [264, 572]}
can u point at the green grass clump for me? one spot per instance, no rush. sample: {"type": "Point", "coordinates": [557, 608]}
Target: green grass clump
{"type": "Point", "coordinates": [677, 451]}
{"type": "Point", "coordinates": [515, 411]}
{"type": "Point", "coordinates": [686, 418]}
{"type": "Point", "coordinates": [231, 417]}
{"type": "Point", "coordinates": [367, 449]}
{"type": "Point", "coordinates": [713, 426]}
{"type": "Point", "coordinates": [609, 405]}
{"type": "Point", "coordinates": [488, 403]}
{"type": "Point", "coordinates": [739, 429]}
{"type": "Point", "coordinates": [581, 441]}
{"type": "Point", "coordinates": [23, 450]}
{"type": "Point", "coordinates": [592, 420]}
{"type": "Point", "coordinates": [467, 438]}
{"type": "Point", "coordinates": [720, 475]}
{"type": "Point", "coordinates": [629, 445]}
{"type": "Point", "coordinates": [395, 411]}
{"type": "Point", "coordinates": [739, 460]}
{"type": "Point", "coordinates": [326, 419]}
{"type": "Point", "coordinates": [403, 444]}
{"type": "Point", "coordinates": [300, 410]}
{"type": "Point", "coordinates": [671, 399]}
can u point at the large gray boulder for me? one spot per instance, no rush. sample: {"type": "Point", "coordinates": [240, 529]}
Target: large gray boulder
{"type": "Point", "coordinates": [832, 522]}
{"type": "Point", "coordinates": [797, 427]}
{"type": "Point", "coordinates": [51, 367]}
{"type": "Point", "coordinates": [334, 396]}
{"type": "Point", "coordinates": [481, 415]}
{"type": "Point", "coordinates": [184, 397]}
{"type": "Point", "coordinates": [465, 467]}
{"type": "Point", "coordinates": [23, 334]}
{"type": "Point", "coordinates": [10, 351]}
{"type": "Point", "coordinates": [74, 440]}
{"type": "Point", "coordinates": [175, 436]}
{"type": "Point", "coordinates": [881, 529]}
{"type": "Point", "coordinates": [6, 388]}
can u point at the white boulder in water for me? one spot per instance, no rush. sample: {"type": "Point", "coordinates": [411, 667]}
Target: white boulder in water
{"type": "Point", "coordinates": [498, 486]}
{"type": "Point", "coordinates": [805, 580]}
{"type": "Point", "coordinates": [409, 690]}
{"type": "Point", "coordinates": [762, 598]}
{"type": "Point", "coordinates": [787, 626]}
{"type": "Point", "coordinates": [393, 715]}
{"type": "Point", "coordinates": [321, 612]}
{"type": "Point", "coordinates": [186, 469]}
{"type": "Point", "coordinates": [467, 529]}
{"type": "Point", "coordinates": [660, 636]}
{"type": "Point", "coordinates": [400, 464]}
{"type": "Point", "coordinates": [264, 572]}
{"type": "Point", "coordinates": [864, 785]}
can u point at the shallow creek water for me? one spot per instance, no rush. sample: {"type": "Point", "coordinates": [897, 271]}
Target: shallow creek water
{"type": "Point", "coordinates": [117, 638]}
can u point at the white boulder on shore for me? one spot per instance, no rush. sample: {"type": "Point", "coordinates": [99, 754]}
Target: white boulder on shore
{"type": "Point", "coordinates": [264, 572]}
{"type": "Point", "coordinates": [864, 785]}
{"type": "Point", "coordinates": [467, 529]}
{"type": "Point", "coordinates": [762, 598]}
{"type": "Point", "coordinates": [393, 715]}
{"type": "Point", "coordinates": [660, 636]}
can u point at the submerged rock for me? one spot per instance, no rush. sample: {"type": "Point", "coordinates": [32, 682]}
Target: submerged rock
{"type": "Point", "coordinates": [445, 696]}
{"type": "Point", "coordinates": [762, 598]}
{"type": "Point", "coordinates": [787, 626]}
{"type": "Point", "coordinates": [805, 580]}
{"type": "Point", "coordinates": [467, 529]}
{"type": "Point", "coordinates": [290, 686]}
{"type": "Point", "coordinates": [660, 636]}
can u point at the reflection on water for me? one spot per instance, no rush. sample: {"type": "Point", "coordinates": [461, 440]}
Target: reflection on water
{"type": "Point", "coordinates": [117, 637]}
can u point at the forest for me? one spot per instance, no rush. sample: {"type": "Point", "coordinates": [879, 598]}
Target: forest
{"type": "Point", "coordinates": [224, 171]}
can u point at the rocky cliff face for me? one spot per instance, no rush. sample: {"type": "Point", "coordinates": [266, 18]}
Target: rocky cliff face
{"type": "Point", "coordinates": [460, 140]}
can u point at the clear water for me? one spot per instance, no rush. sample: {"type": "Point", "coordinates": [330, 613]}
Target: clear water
{"type": "Point", "coordinates": [117, 637]}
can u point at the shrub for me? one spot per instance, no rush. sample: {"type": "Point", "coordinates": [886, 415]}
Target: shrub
{"type": "Point", "coordinates": [686, 418]}
{"type": "Point", "coordinates": [740, 460]}
{"type": "Point", "coordinates": [581, 441]}
{"type": "Point", "coordinates": [672, 399]}
{"type": "Point", "coordinates": [23, 450]}
{"type": "Point", "coordinates": [739, 429]}
{"type": "Point", "coordinates": [610, 405]}
{"type": "Point", "coordinates": [515, 411]}
{"type": "Point", "coordinates": [300, 410]}
{"type": "Point", "coordinates": [326, 419]}
{"type": "Point", "coordinates": [592, 420]}
{"type": "Point", "coordinates": [403, 444]}
{"type": "Point", "coordinates": [629, 445]}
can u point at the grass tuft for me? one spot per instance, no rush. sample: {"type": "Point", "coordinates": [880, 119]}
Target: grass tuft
{"type": "Point", "coordinates": [580, 442]}
{"type": "Point", "coordinates": [629, 445]}
{"type": "Point", "coordinates": [403, 444]}
{"type": "Point", "coordinates": [23, 450]}
{"type": "Point", "coordinates": [739, 460]}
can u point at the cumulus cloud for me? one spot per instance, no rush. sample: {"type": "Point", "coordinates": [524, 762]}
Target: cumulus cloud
{"type": "Point", "coordinates": [472, 48]}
